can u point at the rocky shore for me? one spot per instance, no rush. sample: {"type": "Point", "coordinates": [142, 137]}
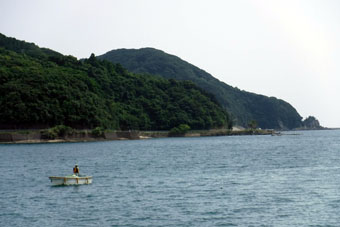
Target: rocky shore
{"type": "Point", "coordinates": [36, 136]}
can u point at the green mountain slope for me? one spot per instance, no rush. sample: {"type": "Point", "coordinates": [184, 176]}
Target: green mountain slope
{"type": "Point", "coordinates": [268, 112]}
{"type": "Point", "coordinates": [41, 88]}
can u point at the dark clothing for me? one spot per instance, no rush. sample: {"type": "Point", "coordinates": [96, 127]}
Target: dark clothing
{"type": "Point", "coordinates": [76, 170]}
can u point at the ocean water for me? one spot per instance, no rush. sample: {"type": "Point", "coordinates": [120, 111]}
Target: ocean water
{"type": "Point", "coordinates": [288, 180]}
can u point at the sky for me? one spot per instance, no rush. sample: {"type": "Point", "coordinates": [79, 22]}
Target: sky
{"type": "Point", "coordinates": [289, 49]}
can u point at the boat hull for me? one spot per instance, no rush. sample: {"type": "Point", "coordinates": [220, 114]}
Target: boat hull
{"type": "Point", "coordinates": [71, 180]}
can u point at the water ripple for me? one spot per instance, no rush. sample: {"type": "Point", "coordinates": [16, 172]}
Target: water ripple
{"type": "Point", "coordinates": [210, 181]}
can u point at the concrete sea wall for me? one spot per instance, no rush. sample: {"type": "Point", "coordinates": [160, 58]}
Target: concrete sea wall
{"type": "Point", "coordinates": [37, 136]}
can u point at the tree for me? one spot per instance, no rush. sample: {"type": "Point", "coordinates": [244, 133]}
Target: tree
{"type": "Point", "coordinates": [180, 130]}
{"type": "Point", "coordinates": [252, 124]}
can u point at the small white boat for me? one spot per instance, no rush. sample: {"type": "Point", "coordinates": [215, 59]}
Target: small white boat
{"type": "Point", "coordinates": [71, 180]}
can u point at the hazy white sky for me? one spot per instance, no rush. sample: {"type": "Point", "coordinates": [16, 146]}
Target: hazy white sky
{"type": "Point", "coordinates": [289, 49]}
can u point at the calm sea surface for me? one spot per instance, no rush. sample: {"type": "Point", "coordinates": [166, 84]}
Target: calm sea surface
{"type": "Point", "coordinates": [289, 180]}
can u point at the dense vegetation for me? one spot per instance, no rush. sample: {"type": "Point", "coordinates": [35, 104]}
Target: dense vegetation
{"type": "Point", "coordinates": [245, 107]}
{"type": "Point", "coordinates": [41, 88]}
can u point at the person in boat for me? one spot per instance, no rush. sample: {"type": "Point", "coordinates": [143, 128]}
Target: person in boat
{"type": "Point", "coordinates": [76, 170]}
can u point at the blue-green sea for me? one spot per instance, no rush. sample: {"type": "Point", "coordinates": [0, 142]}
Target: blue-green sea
{"type": "Point", "coordinates": [288, 180]}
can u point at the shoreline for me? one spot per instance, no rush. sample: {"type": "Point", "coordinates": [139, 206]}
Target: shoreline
{"type": "Point", "coordinates": [35, 136]}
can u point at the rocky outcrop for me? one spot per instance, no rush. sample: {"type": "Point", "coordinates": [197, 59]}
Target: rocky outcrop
{"type": "Point", "coordinates": [311, 123]}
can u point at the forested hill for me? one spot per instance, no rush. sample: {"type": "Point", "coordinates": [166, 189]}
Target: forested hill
{"type": "Point", "coordinates": [268, 112]}
{"type": "Point", "coordinates": [41, 88]}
